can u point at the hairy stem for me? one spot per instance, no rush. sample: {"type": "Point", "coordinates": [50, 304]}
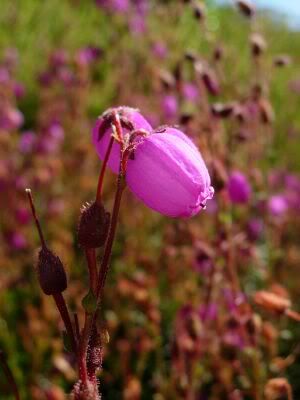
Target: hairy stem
{"type": "Point", "coordinates": [111, 235]}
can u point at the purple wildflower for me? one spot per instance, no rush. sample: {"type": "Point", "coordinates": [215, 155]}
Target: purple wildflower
{"type": "Point", "coordinates": [17, 241]}
{"type": "Point", "coordinates": [169, 175]}
{"type": "Point", "coordinates": [169, 106]}
{"type": "Point", "coordinates": [11, 119]}
{"type": "Point", "coordinates": [277, 205]}
{"type": "Point", "coordinates": [238, 188]}
{"type": "Point", "coordinates": [27, 141]}
{"type": "Point", "coordinates": [255, 228]}
{"type": "Point", "coordinates": [160, 49]}
{"type": "Point", "coordinates": [190, 91]}
{"type": "Point", "coordinates": [167, 172]}
{"type": "Point", "coordinates": [23, 215]}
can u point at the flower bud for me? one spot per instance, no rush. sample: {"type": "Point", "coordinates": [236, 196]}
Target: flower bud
{"type": "Point", "coordinates": [218, 53]}
{"type": "Point", "coordinates": [246, 8]}
{"type": "Point", "coordinates": [210, 82]}
{"type": "Point", "coordinates": [222, 110]}
{"type": "Point", "coordinates": [51, 272]}
{"type": "Point", "coordinates": [190, 55]}
{"type": "Point", "coordinates": [258, 44]}
{"type": "Point", "coordinates": [199, 11]}
{"type": "Point", "coordinates": [266, 111]}
{"type": "Point", "coordinates": [93, 226]}
{"type": "Point", "coordinates": [282, 60]}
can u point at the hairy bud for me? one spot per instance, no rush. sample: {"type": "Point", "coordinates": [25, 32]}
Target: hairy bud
{"type": "Point", "coordinates": [51, 272]}
{"type": "Point", "coordinates": [93, 226]}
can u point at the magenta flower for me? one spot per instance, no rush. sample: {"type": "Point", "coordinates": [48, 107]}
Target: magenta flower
{"type": "Point", "coordinates": [102, 133]}
{"type": "Point", "coordinates": [17, 241]}
{"type": "Point", "coordinates": [238, 187]}
{"type": "Point", "coordinates": [166, 172]}
{"type": "Point", "coordinates": [27, 142]}
{"type": "Point", "coordinates": [169, 106]}
{"type": "Point", "coordinates": [277, 205]}
{"type": "Point", "coordinates": [160, 50]}
{"type": "Point", "coordinates": [255, 229]}
{"type": "Point", "coordinates": [190, 91]}
{"type": "Point", "coordinates": [169, 175]}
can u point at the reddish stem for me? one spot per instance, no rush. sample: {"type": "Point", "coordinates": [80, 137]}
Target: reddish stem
{"type": "Point", "coordinates": [92, 266]}
{"type": "Point", "coordinates": [102, 172]}
{"type": "Point", "coordinates": [77, 329]}
{"type": "Point", "coordinates": [37, 222]}
{"type": "Point", "coordinates": [111, 235]}
{"type": "Point", "coordinates": [63, 310]}
{"type": "Point", "coordinates": [83, 373]}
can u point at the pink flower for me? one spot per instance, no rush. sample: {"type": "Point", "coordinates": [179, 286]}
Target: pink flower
{"type": "Point", "coordinates": [169, 175]}
{"type": "Point", "coordinates": [160, 50]}
{"type": "Point", "coordinates": [277, 205]}
{"type": "Point", "coordinates": [169, 106]}
{"type": "Point", "coordinates": [103, 131]}
{"type": "Point", "coordinates": [239, 189]}
{"type": "Point", "coordinates": [17, 241]}
{"type": "Point", "coordinates": [166, 172]}
{"type": "Point", "coordinates": [190, 91]}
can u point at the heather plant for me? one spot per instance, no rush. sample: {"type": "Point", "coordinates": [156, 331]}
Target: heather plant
{"type": "Point", "coordinates": [195, 306]}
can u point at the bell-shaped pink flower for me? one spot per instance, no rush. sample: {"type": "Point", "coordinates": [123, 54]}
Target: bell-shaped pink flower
{"type": "Point", "coordinates": [169, 175]}
{"type": "Point", "coordinates": [102, 133]}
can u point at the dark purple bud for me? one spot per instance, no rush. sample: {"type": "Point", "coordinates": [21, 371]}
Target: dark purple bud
{"type": "Point", "coordinates": [266, 111]}
{"type": "Point", "coordinates": [167, 79]}
{"type": "Point", "coordinates": [258, 44]}
{"type": "Point", "coordinates": [185, 118]}
{"type": "Point", "coordinates": [255, 228]}
{"type": "Point", "coordinates": [222, 110]}
{"type": "Point", "coordinates": [211, 83]}
{"type": "Point", "coordinates": [199, 11]}
{"type": "Point", "coordinates": [218, 53]}
{"type": "Point", "coordinates": [190, 55]}
{"type": "Point", "coordinates": [282, 60]}
{"type": "Point", "coordinates": [246, 8]}
{"type": "Point", "coordinates": [93, 226]}
{"type": "Point", "coordinates": [51, 272]}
